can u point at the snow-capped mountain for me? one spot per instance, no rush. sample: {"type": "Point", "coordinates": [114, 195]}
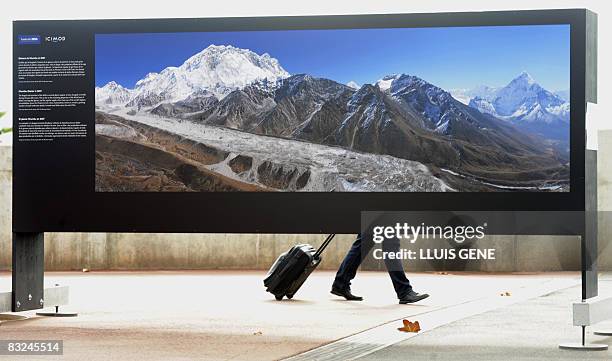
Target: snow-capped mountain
{"type": "Point", "coordinates": [521, 96]}
{"type": "Point", "coordinates": [481, 91]}
{"type": "Point", "coordinates": [408, 117]}
{"type": "Point", "coordinates": [432, 102]}
{"type": "Point", "coordinates": [112, 94]}
{"type": "Point", "coordinates": [527, 104]}
{"type": "Point", "coordinates": [353, 85]}
{"type": "Point", "coordinates": [385, 83]}
{"type": "Point", "coordinates": [218, 69]}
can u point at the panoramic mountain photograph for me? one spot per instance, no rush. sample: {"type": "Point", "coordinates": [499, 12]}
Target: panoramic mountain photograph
{"type": "Point", "coordinates": [351, 110]}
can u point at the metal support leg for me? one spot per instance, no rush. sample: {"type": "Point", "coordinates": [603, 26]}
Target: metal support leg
{"type": "Point", "coordinates": [28, 272]}
{"type": "Point", "coordinates": [583, 346]}
{"type": "Point", "coordinates": [588, 251]}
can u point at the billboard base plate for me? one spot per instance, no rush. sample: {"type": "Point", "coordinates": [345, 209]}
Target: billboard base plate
{"type": "Point", "coordinates": [56, 313]}
{"type": "Point", "coordinates": [583, 346]}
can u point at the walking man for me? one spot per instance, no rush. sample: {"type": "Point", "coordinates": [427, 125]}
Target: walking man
{"type": "Point", "coordinates": [348, 269]}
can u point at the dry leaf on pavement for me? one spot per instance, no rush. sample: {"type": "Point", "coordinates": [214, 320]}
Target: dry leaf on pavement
{"type": "Point", "coordinates": [410, 326]}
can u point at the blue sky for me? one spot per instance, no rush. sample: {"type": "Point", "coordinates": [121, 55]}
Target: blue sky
{"type": "Point", "coordinates": [460, 57]}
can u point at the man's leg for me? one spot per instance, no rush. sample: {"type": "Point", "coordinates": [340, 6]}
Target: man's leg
{"type": "Point", "coordinates": [402, 285]}
{"type": "Point", "coordinates": [396, 268]}
{"type": "Point", "coordinates": [348, 268]}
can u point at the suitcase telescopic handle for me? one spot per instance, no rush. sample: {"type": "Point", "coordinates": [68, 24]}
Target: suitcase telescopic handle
{"type": "Point", "coordinates": [324, 245]}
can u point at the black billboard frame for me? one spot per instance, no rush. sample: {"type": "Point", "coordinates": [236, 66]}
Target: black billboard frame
{"type": "Point", "coordinates": [68, 211]}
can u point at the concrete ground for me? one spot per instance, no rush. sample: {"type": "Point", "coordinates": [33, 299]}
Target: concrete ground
{"type": "Point", "coordinates": [227, 315]}
{"type": "Point", "coordinates": [529, 330]}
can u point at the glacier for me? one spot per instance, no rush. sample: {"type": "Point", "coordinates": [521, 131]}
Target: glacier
{"type": "Point", "coordinates": [330, 168]}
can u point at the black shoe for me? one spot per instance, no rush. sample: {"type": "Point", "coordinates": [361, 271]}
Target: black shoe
{"type": "Point", "coordinates": [346, 293]}
{"type": "Point", "coordinates": [412, 297]}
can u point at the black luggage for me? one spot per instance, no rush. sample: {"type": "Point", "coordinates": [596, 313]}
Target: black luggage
{"type": "Point", "coordinates": [291, 269]}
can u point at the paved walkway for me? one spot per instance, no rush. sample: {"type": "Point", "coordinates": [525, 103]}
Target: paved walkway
{"type": "Point", "coordinates": [529, 330]}
{"type": "Point", "coordinates": [221, 315]}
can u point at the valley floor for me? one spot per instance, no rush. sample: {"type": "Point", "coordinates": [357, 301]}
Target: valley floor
{"type": "Point", "coordinates": [149, 153]}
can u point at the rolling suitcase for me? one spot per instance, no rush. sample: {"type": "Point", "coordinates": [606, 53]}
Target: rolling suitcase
{"type": "Point", "coordinates": [291, 269]}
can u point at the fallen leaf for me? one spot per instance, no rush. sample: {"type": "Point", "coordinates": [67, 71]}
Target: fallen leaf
{"type": "Point", "coordinates": [258, 333]}
{"type": "Point", "coordinates": [410, 326]}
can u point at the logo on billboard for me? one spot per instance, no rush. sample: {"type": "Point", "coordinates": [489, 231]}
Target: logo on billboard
{"type": "Point", "coordinates": [28, 39]}
{"type": "Point", "coordinates": [55, 39]}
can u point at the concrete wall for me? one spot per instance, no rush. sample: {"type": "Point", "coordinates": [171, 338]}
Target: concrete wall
{"type": "Point", "coordinates": [144, 251]}
{"type": "Point", "coordinates": [5, 207]}
{"type": "Point", "coordinates": [604, 198]}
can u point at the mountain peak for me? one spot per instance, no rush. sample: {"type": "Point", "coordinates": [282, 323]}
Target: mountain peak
{"type": "Point", "coordinates": [215, 47]}
{"type": "Point", "coordinates": [385, 82]}
{"type": "Point", "coordinates": [366, 89]}
{"type": "Point", "coordinates": [219, 69]}
{"type": "Point", "coordinates": [214, 55]}
{"type": "Point", "coordinates": [112, 93]}
{"type": "Point", "coordinates": [112, 84]}
{"type": "Point", "coordinates": [402, 80]}
{"type": "Point", "coordinates": [524, 78]}
{"type": "Point", "coordinates": [395, 82]}
{"type": "Point", "coordinates": [402, 83]}
{"type": "Point", "coordinates": [524, 101]}
{"type": "Point", "coordinates": [353, 84]}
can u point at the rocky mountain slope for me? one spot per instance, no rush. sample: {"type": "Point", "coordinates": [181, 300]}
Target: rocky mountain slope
{"type": "Point", "coordinates": [403, 116]}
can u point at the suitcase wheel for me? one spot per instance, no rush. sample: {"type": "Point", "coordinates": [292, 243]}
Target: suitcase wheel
{"type": "Point", "coordinates": [289, 296]}
{"type": "Point", "coordinates": [278, 297]}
